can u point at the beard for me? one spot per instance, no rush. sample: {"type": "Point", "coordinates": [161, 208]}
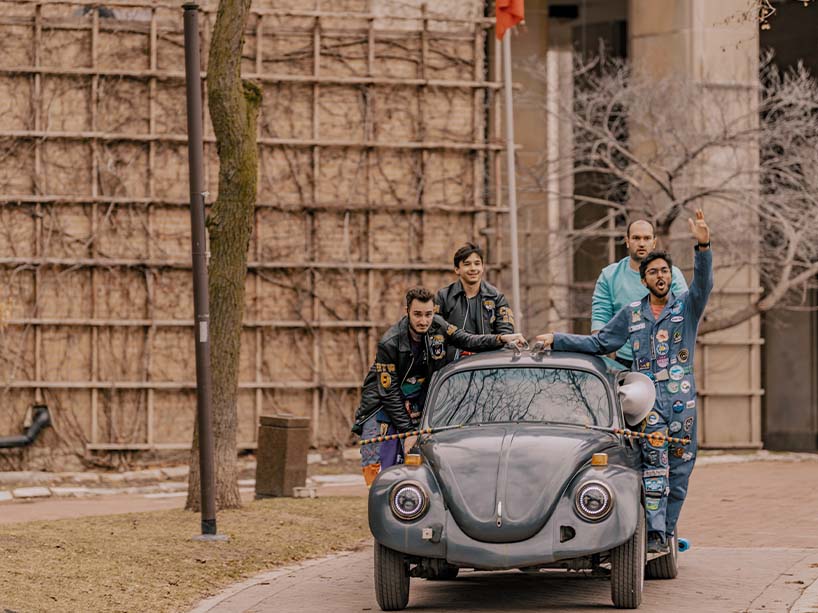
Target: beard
{"type": "Point", "coordinates": [659, 293]}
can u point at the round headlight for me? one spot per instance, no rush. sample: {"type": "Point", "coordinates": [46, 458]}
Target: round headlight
{"type": "Point", "coordinates": [594, 500]}
{"type": "Point", "coordinates": [408, 500]}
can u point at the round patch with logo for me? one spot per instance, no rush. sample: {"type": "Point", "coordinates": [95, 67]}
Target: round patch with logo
{"type": "Point", "coordinates": [678, 406]}
{"type": "Point", "coordinates": [684, 355]}
{"type": "Point", "coordinates": [662, 336]}
{"type": "Point", "coordinates": [685, 386]}
{"type": "Point", "coordinates": [662, 348]}
{"type": "Point", "coordinates": [688, 424]}
{"type": "Point", "coordinates": [675, 426]}
{"type": "Point", "coordinates": [657, 439]}
{"type": "Point", "coordinates": [679, 452]}
{"type": "Point", "coordinates": [677, 319]}
{"type": "Point", "coordinates": [677, 372]}
{"type": "Point", "coordinates": [662, 361]}
{"type": "Point", "coordinates": [653, 418]}
{"type": "Point", "coordinates": [677, 336]}
{"type": "Point", "coordinates": [673, 386]}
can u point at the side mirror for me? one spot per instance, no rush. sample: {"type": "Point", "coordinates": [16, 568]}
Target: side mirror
{"type": "Point", "coordinates": [637, 395]}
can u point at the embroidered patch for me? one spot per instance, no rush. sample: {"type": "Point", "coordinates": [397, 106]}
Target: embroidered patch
{"type": "Point", "coordinates": [691, 404]}
{"type": "Point", "coordinates": [677, 336]}
{"type": "Point", "coordinates": [451, 329]}
{"type": "Point", "coordinates": [386, 380]}
{"type": "Point", "coordinates": [677, 372]}
{"type": "Point", "coordinates": [675, 426]}
{"type": "Point", "coordinates": [664, 457]}
{"type": "Point", "coordinates": [662, 361]}
{"type": "Point", "coordinates": [489, 305]}
{"type": "Point", "coordinates": [654, 484]}
{"type": "Point", "coordinates": [662, 336]}
{"type": "Point", "coordinates": [637, 327]}
{"type": "Point", "coordinates": [678, 406]}
{"type": "Point", "coordinates": [688, 424]}
{"type": "Point", "coordinates": [685, 386]}
{"type": "Point", "coordinates": [437, 347]}
{"type": "Point", "coordinates": [643, 364]}
{"type": "Point", "coordinates": [677, 319]}
{"type": "Point", "coordinates": [636, 303]}
{"type": "Point", "coordinates": [673, 387]}
{"type": "Point", "coordinates": [684, 355]}
{"type": "Point", "coordinates": [662, 348]}
{"type": "Point", "coordinates": [651, 505]}
{"type": "Point", "coordinates": [636, 345]}
{"type": "Point", "coordinates": [655, 472]}
{"type": "Point", "coordinates": [636, 316]}
{"type": "Point", "coordinates": [687, 457]}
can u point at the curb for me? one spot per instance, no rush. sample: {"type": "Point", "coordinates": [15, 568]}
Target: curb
{"type": "Point", "coordinates": [265, 577]}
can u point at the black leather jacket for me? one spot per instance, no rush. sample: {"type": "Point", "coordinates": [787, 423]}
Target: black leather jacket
{"type": "Point", "coordinates": [381, 387]}
{"type": "Point", "coordinates": [497, 317]}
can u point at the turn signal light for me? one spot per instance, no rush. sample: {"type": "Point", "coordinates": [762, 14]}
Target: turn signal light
{"type": "Point", "coordinates": [599, 459]}
{"type": "Point", "coordinates": [412, 459]}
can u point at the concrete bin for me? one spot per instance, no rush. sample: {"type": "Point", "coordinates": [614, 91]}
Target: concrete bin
{"type": "Point", "coordinates": [281, 458]}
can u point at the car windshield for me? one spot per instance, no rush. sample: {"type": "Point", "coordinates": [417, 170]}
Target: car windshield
{"type": "Point", "coordinates": [521, 394]}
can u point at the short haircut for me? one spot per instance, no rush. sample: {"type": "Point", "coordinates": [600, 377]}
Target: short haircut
{"type": "Point", "coordinates": [652, 228]}
{"type": "Point", "coordinates": [421, 294]}
{"type": "Point", "coordinates": [465, 251]}
{"type": "Point", "coordinates": [655, 255]}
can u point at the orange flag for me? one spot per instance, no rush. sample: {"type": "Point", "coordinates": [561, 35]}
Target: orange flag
{"type": "Point", "coordinates": [508, 13]}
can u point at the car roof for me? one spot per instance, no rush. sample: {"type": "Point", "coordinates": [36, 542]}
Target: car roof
{"type": "Point", "coordinates": [547, 359]}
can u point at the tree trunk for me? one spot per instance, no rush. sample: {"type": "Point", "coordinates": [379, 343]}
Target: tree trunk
{"type": "Point", "coordinates": [233, 106]}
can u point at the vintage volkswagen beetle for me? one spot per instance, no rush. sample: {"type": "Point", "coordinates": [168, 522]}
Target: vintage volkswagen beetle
{"type": "Point", "coordinates": [523, 483]}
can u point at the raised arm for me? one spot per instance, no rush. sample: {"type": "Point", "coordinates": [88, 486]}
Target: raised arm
{"type": "Point", "coordinates": [702, 283]}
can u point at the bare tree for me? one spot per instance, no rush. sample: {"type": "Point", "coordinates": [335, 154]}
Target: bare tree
{"type": "Point", "coordinates": [233, 105]}
{"type": "Point", "coordinates": [659, 149]}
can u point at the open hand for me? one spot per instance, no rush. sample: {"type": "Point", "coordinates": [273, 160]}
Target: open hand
{"type": "Point", "coordinates": [699, 228]}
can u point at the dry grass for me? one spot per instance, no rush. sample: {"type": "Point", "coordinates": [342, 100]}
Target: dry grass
{"type": "Point", "coordinates": [148, 562]}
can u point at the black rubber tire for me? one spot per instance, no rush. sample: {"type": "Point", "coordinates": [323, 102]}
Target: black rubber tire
{"type": "Point", "coordinates": [391, 579]}
{"type": "Point", "coordinates": [447, 573]}
{"type": "Point", "coordinates": [665, 567]}
{"type": "Point", "coordinates": [628, 568]}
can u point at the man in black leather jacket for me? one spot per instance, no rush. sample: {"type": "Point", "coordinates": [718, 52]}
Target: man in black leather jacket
{"type": "Point", "coordinates": [470, 302]}
{"type": "Point", "coordinates": [394, 389]}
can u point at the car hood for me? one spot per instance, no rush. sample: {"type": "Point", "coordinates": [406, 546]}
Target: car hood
{"type": "Point", "coordinates": [501, 482]}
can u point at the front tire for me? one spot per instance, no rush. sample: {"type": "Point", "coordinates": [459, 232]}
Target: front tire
{"type": "Point", "coordinates": [665, 567]}
{"type": "Point", "coordinates": [628, 568]}
{"type": "Point", "coordinates": [391, 579]}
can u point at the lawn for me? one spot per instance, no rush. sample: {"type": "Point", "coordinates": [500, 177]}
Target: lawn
{"type": "Point", "coordinates": [148, 561]}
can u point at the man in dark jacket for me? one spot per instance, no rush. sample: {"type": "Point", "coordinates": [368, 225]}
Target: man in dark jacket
{"type": "Point", "coordinates": [394, 389]}
{"type": "Point", "coordinates": [470, 302]}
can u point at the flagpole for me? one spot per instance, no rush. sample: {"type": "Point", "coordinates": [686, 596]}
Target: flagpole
{"type": "Point", "coordinates": [512, 180]}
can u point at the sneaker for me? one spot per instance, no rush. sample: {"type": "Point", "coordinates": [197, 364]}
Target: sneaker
{"type": "Point", "coordinates": [657, 543]}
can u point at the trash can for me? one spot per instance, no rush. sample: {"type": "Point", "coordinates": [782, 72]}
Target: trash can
{"type": "Point", "coordinates": [281, 458]}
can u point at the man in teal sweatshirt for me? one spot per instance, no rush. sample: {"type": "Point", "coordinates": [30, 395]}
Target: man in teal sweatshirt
{"type": "Point", "coordinates": [619, 283]}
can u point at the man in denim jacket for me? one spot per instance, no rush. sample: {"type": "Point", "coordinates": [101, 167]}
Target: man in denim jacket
{"type": "Point", "coordinates": [662, 330]}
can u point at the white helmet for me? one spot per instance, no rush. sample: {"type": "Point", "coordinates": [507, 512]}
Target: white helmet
{"type": "Point", "coordinates": [637, 394]}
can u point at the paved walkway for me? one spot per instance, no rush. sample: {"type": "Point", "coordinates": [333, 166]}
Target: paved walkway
{"type": "Point", "coordinates": [753, 528]}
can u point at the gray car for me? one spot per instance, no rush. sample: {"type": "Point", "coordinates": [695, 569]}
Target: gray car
{"type": "Point", "coordinates": [515, 479]}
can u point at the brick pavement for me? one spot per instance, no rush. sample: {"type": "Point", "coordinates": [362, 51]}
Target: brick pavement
{"type": "Point", "coordinates": [755, 549]}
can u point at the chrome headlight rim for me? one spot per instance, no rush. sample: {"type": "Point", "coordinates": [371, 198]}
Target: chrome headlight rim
{"type": "Point", "coordinates": [417, 513]}
{"type": "Point", "coordinates": [599, 486]}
